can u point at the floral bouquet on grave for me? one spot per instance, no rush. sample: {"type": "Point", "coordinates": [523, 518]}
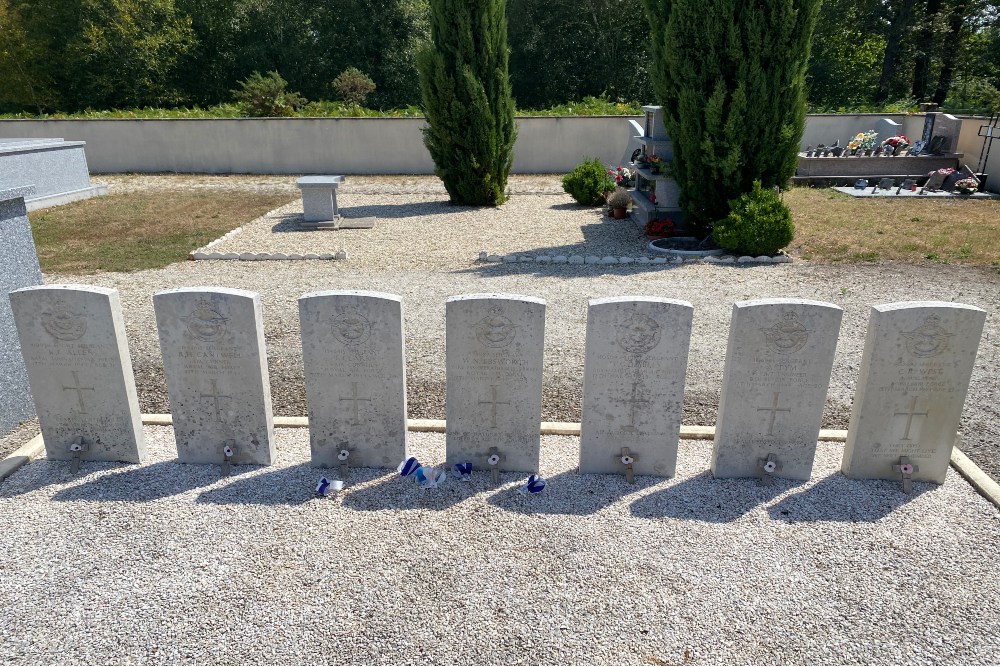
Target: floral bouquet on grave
{"type": "Point", "coordinates": [654, 162]}
{"type": "Point", "coordinates": [623, 177]}
{"type": "Point", "coordinates": [966, 186]}
{"type": "Point", "coordinates": [898, 143]}
{"type": "Point", "coordinates": [863, 141]}
{"type": "Point", "coordinates": [660, 229]}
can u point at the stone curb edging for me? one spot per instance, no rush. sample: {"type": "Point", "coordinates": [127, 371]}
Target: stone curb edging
{"type": "Point", "coordinates": [264, 256]}
{"type": "Point", "coordinates": [514, 258]}
{"type": "Point", "coordinates": [965, 466]}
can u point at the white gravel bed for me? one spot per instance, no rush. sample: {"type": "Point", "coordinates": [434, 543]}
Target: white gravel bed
{"type": "Point", "coordinates": [424, 231]}
{"type": "Point", "coordinates": [167, 563]}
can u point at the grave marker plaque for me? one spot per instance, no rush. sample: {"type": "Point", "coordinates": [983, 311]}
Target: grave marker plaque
{"type": "Point", "coordinates": [774, 386]}
{"type": "Point", "coordinates": [915, 373]}
{"type": "Point", "coordinates": [212, 342]}
{"type": "Point", "coordinates": [633, 386]}
{"type": "Point", "coordinates": [355, 377]}
{"type": "Point", "coordinates": [73, 342]}
{"type": "Point", "coordinates": [494, 379]}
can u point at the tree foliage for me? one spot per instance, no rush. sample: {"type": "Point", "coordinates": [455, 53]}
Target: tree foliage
{"type": "Point", "coordinates": [730, 76]}
{"type": "Point", "coordinates": [467, 99]}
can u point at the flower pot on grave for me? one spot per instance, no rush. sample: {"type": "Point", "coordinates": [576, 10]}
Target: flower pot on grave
{"type": "Point", "coordinates": [619, 213]}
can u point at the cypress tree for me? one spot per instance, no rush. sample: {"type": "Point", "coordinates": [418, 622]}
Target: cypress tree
{"type": "Point", "coordinates": [467, 99]}
{"type": "Point", "coordinates": [730, 75]}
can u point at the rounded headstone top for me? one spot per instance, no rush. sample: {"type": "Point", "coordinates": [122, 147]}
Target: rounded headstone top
{"type": "Point", "coordinates": [352, 292]}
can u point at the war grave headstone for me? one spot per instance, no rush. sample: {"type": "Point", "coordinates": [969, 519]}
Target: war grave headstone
{"type": "Point", "coordinates": [774, 386]}
{"type": "Point", "coordinates": [18, 268]}
{"type": "Point", "coordinates": [494, 347]}
{"type": "Point", "coordinates": [73, 342]}
{"type": "Point", "coordinates": [633, 385]}
{"type": "Point", "coordinates": [212, 343]}
{"type": "Point", "coordinates": [355, 377]}
{"type": "Point", "coordinates": [915, 373]}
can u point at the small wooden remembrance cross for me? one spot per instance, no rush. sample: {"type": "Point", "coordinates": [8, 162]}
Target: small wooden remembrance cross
{"type": "Point", "coordinates": [493, 460]}
{"type": "Point", "coordinates": [228, 452]}
{"type": "Point", "coordinates": [343, 457]}
{"type": "Point", "coordinates": [906, 470]}
{"type": "Point", "coordinates": [627, 458]}
{"type": "Point", "coordinates": [767, 468]}
{"type": "Point", "coordinates": [77, 448]}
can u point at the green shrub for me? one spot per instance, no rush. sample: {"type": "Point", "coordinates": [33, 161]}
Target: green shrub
{"type": "Point", "coordinates": [354, 86]}
{"type": "Point", "coordinates": [588, 182]}
{"type": "Point", "coordinates": [758, 223]}
{"type": "Point", "coordinates": [267, 95]}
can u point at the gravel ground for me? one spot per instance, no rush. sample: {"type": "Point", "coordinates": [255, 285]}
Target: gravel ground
{"type": "Point", "coordinates": [166, 563]}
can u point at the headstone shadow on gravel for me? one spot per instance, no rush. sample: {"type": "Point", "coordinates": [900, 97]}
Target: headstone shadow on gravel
{"type": "Point", "coordinates": [838, 498]}
{"type": "Point", "coordinates": [289, 222]}
{"type": "Point", "coordinates": [292, 485]}
{"type": "Point", "coordinates": [704, 498]}
{"type": "Point", "coordinates": [400, 493]}
{"type": "Point", "coordinates": [43, 472]}
{"type": "Point", "coordinates": [570, 493]}
{"type": "Point", "coordinates": [144, 483]}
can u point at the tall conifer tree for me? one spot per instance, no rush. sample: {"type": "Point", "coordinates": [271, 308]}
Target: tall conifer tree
{"type": "Point", "coordinates": [467, 99]}
{"type": "Point", "coordinates": [730, 75]}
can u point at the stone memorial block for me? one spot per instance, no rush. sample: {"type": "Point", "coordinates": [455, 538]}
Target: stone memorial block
{"type": "Point", "coordinates": [633, 383]}
{"type": "Point", "coordinates": [914, 376]}
{"type": "Point", "coordinates": [947, 127]}
{"type": "Point", "coordinates": [494, 346]}
{"type": "Point", "coordinates": [774, 386]}
{"type": "Point", "coordinates": [886, 184]}
{"type": "Point", "coordinates": [355, 376]}
{"type": "Point", "coordinates": [73, 342]}
{"type": "Point", "coordinates": [887, 127]}
{"type": "Point", "coordinates": [18, 268]}
{"type": "Point", "coordinates": [212, 342]}
{"type": "Point", "coordinates": [934, 181]}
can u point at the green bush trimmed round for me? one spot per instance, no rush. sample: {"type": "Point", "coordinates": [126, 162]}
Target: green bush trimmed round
{"type": "Point", "coordinates": [758, 223]}
{"type": "Point", "coordinates": [588, 182]}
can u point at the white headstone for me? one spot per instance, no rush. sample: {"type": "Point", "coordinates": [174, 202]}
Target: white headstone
{"type": "Point", "coordinates": [212, 342]}
{"type": "Point", "coordinates": [73, 342]}
{"type": "Point", "coordinates": [494, 379]}
{"type": "Point", "coordinates": [355, 376]}
{"type": "Point", "coordinates": [633, 383]}
{"type": "Point", "coordinates": [915, 373]}
{"type": "Point", "coordinates": [887, 127]}
{"type": "Point", "coordinates": [774, 386]}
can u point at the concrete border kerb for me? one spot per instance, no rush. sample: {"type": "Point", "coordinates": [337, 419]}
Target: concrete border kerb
{"type": "Point", "coordinates": [965, 466]}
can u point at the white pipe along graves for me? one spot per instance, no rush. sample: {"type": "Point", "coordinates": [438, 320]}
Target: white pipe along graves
{"type": "Point", "coordinates": [914, 377]}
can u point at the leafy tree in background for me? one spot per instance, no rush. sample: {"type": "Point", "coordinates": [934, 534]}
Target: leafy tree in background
{"type": "Point", "coordinates": [103, 53]}
{"type": "Point", "coordinates": [730, 76]}
{"type": "Point", "coordinates": [563, 50]}
{"type": "Point", "coordinates": [846, 53]}
{"type": "Point", "coordinates": [467, 99]}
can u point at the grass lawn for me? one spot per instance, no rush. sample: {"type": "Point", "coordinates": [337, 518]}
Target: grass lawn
{"type": "Point", "coordinates": [140, 230]}
{"type": "Point", "coordinates": [833, 226]}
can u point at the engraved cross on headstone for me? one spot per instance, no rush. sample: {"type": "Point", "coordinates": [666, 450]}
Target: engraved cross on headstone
{"type": "Point", "coordinates": [355, 399]}
{"type": "Point", "coordinates": [79, 391]}
{"type": "Point", "coordinates": [627, 458]}
{"type": "Point", "coordinates": [774, 410]}
{"type": "Point", "coordinates": [228, 452]}
{"type": "Point", "coordinates": [768, 467]}
{"type": "Point", "coordinates": [216, 396]}
{"type": "Point", "coordinates": [632, 401]}
{"type": "Point", "coordinates": [77, 448]}
{"type": "Point", "coordinates": [493, 459]}
{"type": "Point", "coordinates": [906, 470]}
{"type": "Point", "coordinates": [909, 417]}
{"type": "Point", "coordinates": [494, 403]}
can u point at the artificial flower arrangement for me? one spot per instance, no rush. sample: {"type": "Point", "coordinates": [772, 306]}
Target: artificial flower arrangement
{"type": "Point", "coordinates": [966, 186]}
{"type": "Point", "coordinates": [655, 163]}
{"type": "Point", "coordinates": [898, 143]}
{"type": "Point", "coordinates": [660, 229]}
{"type": "Point", "coordinates": [623, 177]}
{"type": "Point", "coordinates": [863, 141]}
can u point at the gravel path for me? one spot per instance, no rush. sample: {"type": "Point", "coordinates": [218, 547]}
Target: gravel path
{"type": "Point", "coordinates": [166, 563]}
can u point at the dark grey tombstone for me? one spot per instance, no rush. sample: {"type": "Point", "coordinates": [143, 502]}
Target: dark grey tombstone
{"type": "Point", "coordinates": [886, 184]}
{"type": "Point", "coordinates": [18, 268]}
{"type": "Point", "coordinates": [934, 181]}
{"type": "Point", "coordinates": [908, 184]}
{"type": "Point", "coordinates": [925, 136]}
{"type": "Point", "coordinates": [949, 182]}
